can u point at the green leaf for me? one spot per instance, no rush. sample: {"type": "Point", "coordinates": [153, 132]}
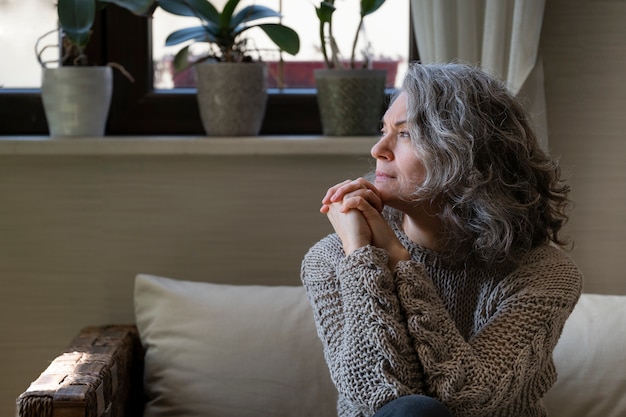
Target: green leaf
{"type": "Point", "coordinates": [284, 37]}
{"type": "Point", "coordinates": [138, 7]}
{"type": "Point", "coordinates": [181, 59]}
{"type": "Point", "coordinates": [76, 18]}
{"type": "Point", "coordinates": [325, 11]}
{"type": "Point", "coordinates": [206, 11]}
{"type": "Point", "coordinates": [196, 33]}
{"type": "Point", "coordinates": [201, 9]}
{"type": "Point", "coordinates": [176, 7]}
{"type": "Point", "coordinates": [227, 13]}
{"type": "Point", "coordinates": [251, 13]}
{"type": "Point", "coordinates": [370, 6]}
{"type": "Point", "coordinates": [223, 29]}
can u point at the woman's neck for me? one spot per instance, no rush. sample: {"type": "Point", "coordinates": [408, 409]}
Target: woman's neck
{"type": "Point", "coordinates": [423, 227]}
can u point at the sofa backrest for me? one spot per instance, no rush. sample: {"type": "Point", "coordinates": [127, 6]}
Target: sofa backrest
{"type": "Point", "coordinates": [253, 350]}
{"type": "Point", "coordinates": [590, 360]}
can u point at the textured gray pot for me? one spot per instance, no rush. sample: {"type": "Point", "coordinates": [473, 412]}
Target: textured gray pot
{"type": "Point", "coordinates": [76, 100]}
{"type": "Point", "coordinates": [351, 102]}
{"type": "Point", "coordinates": [231, 97]}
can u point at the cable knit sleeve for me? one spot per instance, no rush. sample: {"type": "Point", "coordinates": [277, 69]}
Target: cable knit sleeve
{"type": "Point", "coordinates": [361, 325]}
{"type": "Point", "coordinates": [506, 366]}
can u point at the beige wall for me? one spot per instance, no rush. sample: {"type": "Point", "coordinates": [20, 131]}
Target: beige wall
{"type": "Point", "coordinates": [584, 50]}
{"type": "Point", "coordinates": [250, 219]}
{"type": "Point", "coordinates": [75, 230]}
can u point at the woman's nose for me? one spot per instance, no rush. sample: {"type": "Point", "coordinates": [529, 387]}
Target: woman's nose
{"type": "Point", "coordinates": [381, 149]}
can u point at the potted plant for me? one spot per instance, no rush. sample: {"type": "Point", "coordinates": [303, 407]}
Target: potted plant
{"type": "Point", "coordinates": [76, 94]}
{"type": "Point", "coordinates": [231, 83]}
{"type": "Point", "coordinates": [350, 94]}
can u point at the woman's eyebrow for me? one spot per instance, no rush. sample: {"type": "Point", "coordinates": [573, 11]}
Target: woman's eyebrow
{"type": "Point", "coordinates": [396, 124]}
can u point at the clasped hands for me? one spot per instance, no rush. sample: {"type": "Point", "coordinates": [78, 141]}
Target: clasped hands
{"type": "Point", "coordinates": [354, 208]}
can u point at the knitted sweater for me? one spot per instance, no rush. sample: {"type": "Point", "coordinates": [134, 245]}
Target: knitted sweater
{"type": "Point", "coordinates": [478, 339]}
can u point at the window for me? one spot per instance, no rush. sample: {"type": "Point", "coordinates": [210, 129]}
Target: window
{"type": "Point", "coordinates": [139, 107]}
{"type": "Point", "coordinates": [17, 40]}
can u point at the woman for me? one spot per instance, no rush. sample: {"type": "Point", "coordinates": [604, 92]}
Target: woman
{"type": "Point", "coordinates": [444, 290]}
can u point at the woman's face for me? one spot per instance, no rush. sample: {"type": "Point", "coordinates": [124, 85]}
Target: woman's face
{"type": "Point", "coordinates": [399, 170]}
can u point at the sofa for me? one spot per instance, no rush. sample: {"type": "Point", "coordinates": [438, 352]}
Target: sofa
{"type": "Point", "coordinates": [205, 349]}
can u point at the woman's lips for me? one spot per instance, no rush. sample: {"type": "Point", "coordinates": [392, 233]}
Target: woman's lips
{"type": "Point", "coordinates": [382, 176]}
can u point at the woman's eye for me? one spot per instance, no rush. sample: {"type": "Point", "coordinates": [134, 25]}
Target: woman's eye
{"type": "Point", "coordinates": [399, 133]}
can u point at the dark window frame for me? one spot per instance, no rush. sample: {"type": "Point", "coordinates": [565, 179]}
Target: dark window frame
{"type": "Point", "coordinates": [137, 108]}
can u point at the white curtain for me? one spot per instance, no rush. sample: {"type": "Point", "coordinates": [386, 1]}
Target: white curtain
{"type": "Point", "coordinates": [502, 36]}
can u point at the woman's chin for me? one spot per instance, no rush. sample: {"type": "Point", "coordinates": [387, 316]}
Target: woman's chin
{"type": "Point", "coordinates": [387, 197]}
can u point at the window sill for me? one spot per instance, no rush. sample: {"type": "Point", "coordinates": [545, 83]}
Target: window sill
{"type": "Point", "coordinates": [186, 145]}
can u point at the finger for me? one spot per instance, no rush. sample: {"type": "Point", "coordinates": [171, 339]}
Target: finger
{"type": "Point", "coordinates": [351, 227]}
{"type": "Point", "coordinates": [355, 202]}
{"type": "Point", "coordinates": [347, 187]}
{"type": "Point", "coordinates": [332, 190]}
{"type": "Point", "coordinates": [370, 196]}
{"type": "Point", "coordinates": [383, 235]}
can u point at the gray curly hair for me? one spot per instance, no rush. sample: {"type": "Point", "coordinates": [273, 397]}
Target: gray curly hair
{"type": "Point", "coordinates": [500, 193]}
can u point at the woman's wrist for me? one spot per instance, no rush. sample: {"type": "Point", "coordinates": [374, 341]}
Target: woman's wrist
{"type": "Point", "coordinates": [397, 254]}
{"type": "Point", "coordinates": [350, 247]}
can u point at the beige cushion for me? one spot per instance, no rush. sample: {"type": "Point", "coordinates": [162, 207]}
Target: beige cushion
{"type": "Point", "coordinates": [590, 360]}
{"type": "Point", "coordinates": [225, 350]}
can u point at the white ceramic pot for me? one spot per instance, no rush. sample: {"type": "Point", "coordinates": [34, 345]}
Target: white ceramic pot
{"type": "Point", "coordinates": [76, 100]}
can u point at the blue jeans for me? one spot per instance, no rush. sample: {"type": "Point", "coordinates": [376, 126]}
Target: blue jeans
{"type": "Point", "coordinates": [413, 406]}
